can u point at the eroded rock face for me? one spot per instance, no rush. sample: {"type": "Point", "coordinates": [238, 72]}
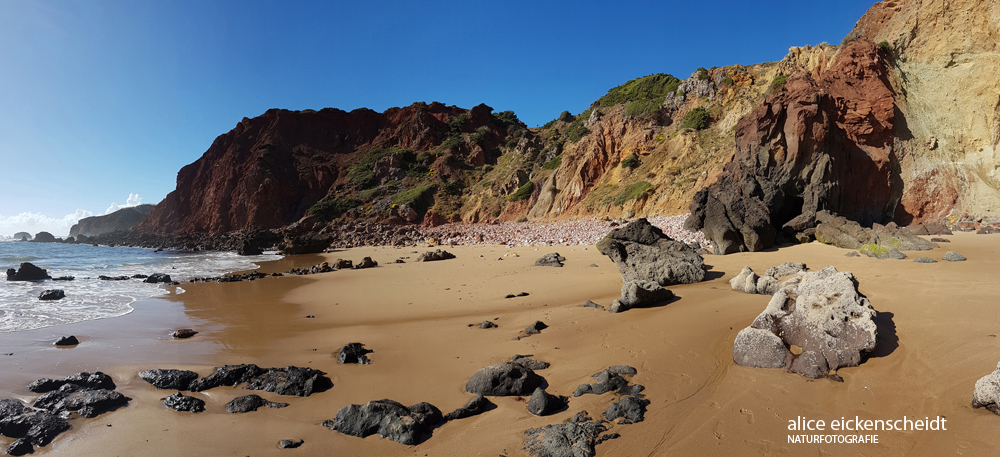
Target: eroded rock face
{"type": "Point", "coordinates": [575, 438]}
{"type": "Point", "coordinates": [822, 141]}
{"type": "Point", "coordinates": [389, 419]}
{"type": "Point", "coordinates": [502, 380]}
{"type": "Point", "coordinates": [844, 233]}
{"type": "Point", "coordinates": [181, 402]}
{"type": "Point", "coordinates": [354, 353]}
{"type": "Point", "coordinates": [987, 392]}
{"type": "Point", "coordinates": [88, 402]}
{"type": "Point", "coordinates": [169, 379]}
{"type": "Point", "coordinates": [297, 381]}
{"type": "Point", "coordinates": [820, 312]}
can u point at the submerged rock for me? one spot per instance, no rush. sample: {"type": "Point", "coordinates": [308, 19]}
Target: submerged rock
{"type": "Point", "coordinates": [389, 419]}
{"type": "Point", "coordinates": [249, 403]}
{"type": "Point", "coordinates": [27, 272]}
{"type": "Point", "coordinates": [502, 380]}
{"type": "Point", "coordinates": [52, 294]}
{"type": "Point", "coordinates": [169, 379]}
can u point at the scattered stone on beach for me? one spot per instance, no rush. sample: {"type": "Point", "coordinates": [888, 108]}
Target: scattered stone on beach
{"type": "Point", "coordinates": [399, 260]}
{"type": "Point", "coordinates": [924, 260]}
{"type": "Point", "coordinates": [354, 353]}
{"type": "Point", "coordinates": [953, 256]}
{"type": "Point", "coordinates": [249, 403]}
{"type": "Point", "coordinates": [820, 312]}
{"type": "Point", "coordinates": [575, 438]}
{"type": "Point", "coordinates": [940, 240]}
{"type": "Point", "coordinates": [643, 253]}
{"type": "Point", "coordinates": [852, 254]}
{"type": "Point", "coordinates": [389, 419]}
{"type": "Point", "coordinates": [987, 230]}
{"type": "Point", "coordinates": [527, 362]}
{"type": "Point", "coordinates": [474, 407]}
{"type": "Point", "coordinates": [487, 324]}
{"type": "Point", "coordinates": [291, 381]}
{"type": "Point", "coordinates": [543, 403]}
{"type": "Point", "coordinates": [536, 328]}
{"type": "Point", "coordinates": [290, 444]}
{"type": "Point", "coordinates": [434, 255]}
{"type": "Point", "coordinates": [29, 427]}
{"type": "Point", "coordinates": [342, 264]}
{"type": "Point", "coordinates": [86, 401]}
{"type": "Point", "coordinates": [630, 409]}
{"type": "Point", "coordinates": [510, 296]}
{"type": "Point", "coordinates": [366, 262]}
{"type": "Point", "coordinates": [502, 380]}
{"type": "Point", "coordinates": [67, 341]}
{"type": "Point", "coordinates": [550, 260]}
{"type": "Point", "coordinates": [612, 379]}
{"type": "Point", "coordinates": [590, 304]}
{"type": "Point", "coordinates": [27, 272]}
{"type": "Point", "coordinates": [181, 402]}
{"type": "Point", "coordinates": [169, 378]}
{"type": "Point", "coordinates": [227, 375]}
{"type": "Point", "coordinates": [183, 333]}
{"type": "Point", "coordinates": [522, 294]}
{"type": "Point", "coordinates": [52, 294]}
{"type": "Point", "coordinates": [96, 380]}
{"type": "Point", "coordinates": [641, 294]}
{"type": "Point", "coordinates": [987, 392]}
{"type": "Point", "coordinates": [881, 252]}
{"type": "Point", "coordinates": [158, 278]}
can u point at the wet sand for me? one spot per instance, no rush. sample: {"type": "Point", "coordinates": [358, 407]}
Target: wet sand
{"type": "Point", "coordinates": [936, 338]}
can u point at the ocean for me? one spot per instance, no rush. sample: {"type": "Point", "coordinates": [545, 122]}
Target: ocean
{"type": "Point", "coordinates": [89, 298]}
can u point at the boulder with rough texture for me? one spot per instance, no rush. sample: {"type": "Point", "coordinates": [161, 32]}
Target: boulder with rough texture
{"type": "Point", "coordinates": [643, 253]}
{"type": "Point", "coordinates": [52, 294]}
{"type": "Point", "coordinates": [575, 438]}
{"type": "Point", "coordinates": [158, 278]}
{"type": "Point", "coordinates": [610, 380]}
{"type": "Point", "coordinates": [354, 353]}
{"type": "Point", "coordinates": [31, 428]}
{"type": "Point", "coordinates": [290, 444]}
{"type": "Point", "coordinates": [389, 419]}
{"type": "Point", "coordinates": [820, 312]}
{"type": "Point", "coordinates": [953, 256]}
{"type": "Point", "coordinates": [630, 409]}
{"type": "Point", "coordinates": [437, 254]}
{"type": "Point", "coordinates": [504, 379]}
{"type": "Point", "coordinates": [543, 403]}
{"type": "Point", "coordinates": [366, 262]}
{"type": "Point", "coordinates": [183, 333]}
{"type": "Point", "coordinates": [227, 375]}
{"type": "Point", "coordinates": [27, 272]}
{"type": "Point", "coordinates": [476, 406]}
{"type": "Point", "coordinates": [527, 362]}
{"type": "Point", "coordinates": [924, 260]}
{"type": "Point", "coordinates": [293, 381]}
{"type": "Point", "coordinates": [785, 269]}
{"type": "Point", "coordinates": [487, 324]}
{"type": "Point", "coordinates": [536, 328]}
{"type": "Point", "coordinates": [550, 260]}
{"type": "Point", "coordinates": [86, 401]}
{"type": "Point", "coordinates": [881, 252]}
{"type": "Point", "coordinates": [181, 402]}
{"type": "Point", "coordinates": [249, 403]}
{"type": "Point", "coordinates": [844, 233]}
{"type": "Point", "coordinates": [745, 282]}
{"type": "Point", "coordinates": [96, 380]}
{"type": "Point", "coordinates": [641, 294]}
{"type": "Point", "coordinates": [169, 378]}
{"type": "Point", "coordinates": [987, 392]}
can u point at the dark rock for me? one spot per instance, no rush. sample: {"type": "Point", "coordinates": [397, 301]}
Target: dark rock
{"type": "Point", "coordinates": [510, 296]}
{"type": "Point", "coordinates": [64, 278]}
{"type": "Point", "coordinates": [52, 294]}
{"type": "Point", "coordinates": [249, 246]}
{"type": "Point", "coordinates": [487, 324]}
{"type": "Point", "coordinates": [113, 278]}
{"type": "Point", "coordinates": [988, 230]}
{"type": "Point", "coordinates": [550, 260]}
{"type": "Point", "coordinates": [820, 312]}
{"type": "Point", "coordinates": [476, 406]}
{"type": "Point", "coordinates": [389, 419]}
{"type": "Point", "coordinates": [290, 444]}
{"type": "Point", "coordinates": [953, 256]}
{"type": "Point", "coordinates": [630, 408]}
{"type": "Point", "coordinates": [590, 304]}
{"type": "Point", "coordinates": [607, 381]}
{"type": "Point", "coordinates": [431, 256]}
{"type": "Point", "coordinates": [505, 379]}
{"type": "Point", "coordinates": [641, 294]}
{"type": "Point", "coordinates": [354, 353]}
{"type": "Point", "coordinates": [623, 370]}
{"type": "Point", "coordinates": [341, 264]}
{"type": "Point", "coordinates": [96, 380]}
{"type": "Point", "coordinates": [295, 381]}
{"type": "Point", "coordinates": [169, 378]}
{"type": "Point", "coordinates": [529, 363]}
{"type": "Point", "coordinates": [399, 260]}
{"type": "Point", "coordinates": [307, 243]}
{"type": "Point", "coordinates": [940, 240]}
{"type": "Point", "coordinates": [157, 278]}
{"type": "Point", "coordinates": [44, 237]}
{"type": "Point", "coordinates": [181, 402]}
{"type": "Point", "coordinates": [67, 341]}
{"type": "Point", "coordinates": [27, 272]}
{"type": "Point", "coordinates": [643, 253]}
{"type": "Point", "coordinates": [366, 262]}
{"type": "Point", "coordinates": [575, 438]}
{"type": "Point", "coordinates": [87, 402]}
{"type": "Point", "coordinates": [10, 407]}
{"type": "Point", "coordinates": [852, 254]}
{"type": "Point", "coordinates": [609, 436]}
{"type": "Point", "coordinates": [183, 333]}
{"type": "Point", "coordinates": [522, 294]}
{"type": "Point", "coordinates": [249, 403]}
{"type": "Point", "coordinates": [228, 375]}
{"type": "Point", "coordinates": [542, 403]}
{"type": "Point", "coordinates": [535, 328]}
{"type": "Point", "coordinates": [924, 260]}
{"type": "Point", "coordinates": [20, 446]}
{"type": "Point", "coordinates": [36, 427]}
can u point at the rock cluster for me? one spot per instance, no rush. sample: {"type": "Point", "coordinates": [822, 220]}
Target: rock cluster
{"type": "Point", "coordinates": [575, 438]}
{"type": "Point", "coordinates": [748, 281]}
{"type": "Point", "coordinates": [820, 312]}
{"type": "Point", "coordinates": [389, 419]}
{"type": "Point", "coordinates": [27, 272]}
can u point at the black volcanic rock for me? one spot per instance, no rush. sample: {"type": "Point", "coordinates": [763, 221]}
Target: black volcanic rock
{"type": "Point", "coordinates": [52, 294]}
{"type": "Point", "coordinates": [169, 379]}
{"type": "Point", "coordinates": [476, 406]}
{"type": "Point", "coordinates": [86, 401]}
{"type": "Point", "coordinates": [354, 353]}
{"type": "Point", "coordinates": [389, 419]}
{"type": "Point", "coordinates": [96, 380]}
{"type": "Point", "coordinates": [181, 402]}
{"type": "Point", "coordinates": [70, 340]}
{"type": "Point", "coordinates": [27, 272]}
{"type": "Point", "coordinates": [248, 403]}
{"type": "Point", "coordinates": [158, 278]}
{"type": "Point", "coordinates": [505, 379]}
{"type": "Point", "coordinates": [44, 237]}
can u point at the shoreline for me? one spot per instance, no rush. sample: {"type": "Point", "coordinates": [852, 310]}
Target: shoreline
{"type": "Point", "coordinates": [415, 317]}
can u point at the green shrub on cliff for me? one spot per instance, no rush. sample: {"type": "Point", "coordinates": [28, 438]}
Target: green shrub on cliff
{"type": "Point", "coordinates": [522, 193]}
{"type": "Point", "coordinates": [779, 83]}
{"type": "Point", "coordinates": [552, 164]}
{"type": "Point", "coordinates": [576, 130]}
{"type": "Point", "coordinates": [697, 119]}
{"type": "Point", "coordinates": [631, 161]}
{"type": "Point", "coordinates": [648, 87]}
{"type": "Point", "coordinates": [330, 208]}
{"type": "Point", "coordinates": [418, 198]}
{"type": "Point", "coordinates": [632, 192]}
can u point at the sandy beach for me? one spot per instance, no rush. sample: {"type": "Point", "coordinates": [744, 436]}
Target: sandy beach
{"type": "Point", "coordinates": [937, 336]}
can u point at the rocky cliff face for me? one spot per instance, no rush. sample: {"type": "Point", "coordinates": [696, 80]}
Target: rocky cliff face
{"type": "Point", "coordinates": [123, 219]}
{"type": "Point", "coordinates": [943, 60]}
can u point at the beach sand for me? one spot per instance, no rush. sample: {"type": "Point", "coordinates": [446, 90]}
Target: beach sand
{"type": "Point", "coordinates": [937, 336]}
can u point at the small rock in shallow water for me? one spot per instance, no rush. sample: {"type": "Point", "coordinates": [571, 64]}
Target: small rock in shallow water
{"type": "Point", "coordinates": [182, 333]}
{"type": "Point", "coordinates": [67, 341]}
{"type": "Point", "coordinates": [53, 294]}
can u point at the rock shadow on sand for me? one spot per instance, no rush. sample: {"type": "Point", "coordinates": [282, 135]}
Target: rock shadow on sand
{"type": "Point", "coordinates": [887, 341]}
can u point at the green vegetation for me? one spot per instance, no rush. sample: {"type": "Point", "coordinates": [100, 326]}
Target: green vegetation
{"type": "Point", "coordinates": [632, 192]}
{"type": "Point", "coordinates": [650, 87]}
{"type": "Point", "coordinates": [522, 219]}
{"type": "Point", "coordinates": [576, 130]}
{"type": "Point", "coordinates": [884, 46]}
{"type": "Point", "coordinates": [779, 83]}
{"type": "Point", "coordinates": [631, 161]}
{"type": "Point", "coordinates": [507, 119]}
{"type": "Point", "coordinates": [328, 209]}
{"type": "Point", "coordinates": [361, 176]}
{"type": "Point", "coordinates": [728, 81]}
{"type": "Point", "coordinates": [874, 250]}
{"type": "Point", "coordinates": [552, 164]}
{"type": "Point", "coordinates": [702, 74]}
{"type": "Point", "coordinates": [523, 192]}
{"type": "Point", "coordinates": [697, 119]}
{"type": "Point", "coordinates": [418, 198]}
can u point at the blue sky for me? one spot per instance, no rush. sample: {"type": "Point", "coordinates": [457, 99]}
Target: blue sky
{"type": "Point", "coordinates": [107, 100]}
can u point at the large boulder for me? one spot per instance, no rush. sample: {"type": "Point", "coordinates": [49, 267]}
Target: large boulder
{"type": "Point", "coordinates": [389, 419]}
{"type": "Point", "coordinates": [987, 392]}
{"type": "Point", "coordinates": [550, 260]}
{"type": "Point", "coordinates": [27, 272]}
{"type": "Point", "coordinates": [641, 294]}
{"type": "Point", "coordinates": [88, 402]}
{"type": "Point", "coordinates": [848, 234]}
{"type": "Point", "coordinates": [575, 438]}
{"type": "Point", "coordinates": [44, 237]}
{"type": "Point", "coordinates": [296, 381]}
{"type": "Point", "coordinates": [181, 402]}
{"type": "Point", "coordinates": [643, 253]}
{"type": "Point", "coordinates": [820, 312]}
{"type": "Point", "coordinates": [504, 379]}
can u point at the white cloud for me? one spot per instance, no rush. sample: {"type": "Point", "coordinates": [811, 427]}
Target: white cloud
{"type": "Point", "coordinates": [38, 222]}
{"type": "Point", "coordinates": [133, 200]}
